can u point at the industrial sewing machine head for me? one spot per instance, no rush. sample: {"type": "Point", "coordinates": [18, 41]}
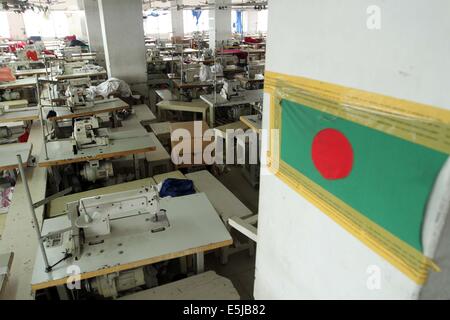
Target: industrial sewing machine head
{"type": "Point", "coordinates": [190, 72]}
{"type": "Point", "coordinates": [231, 89]}
{"type": "Point", "coordinates": [73, 67]}
{"type": "Point", "coordinates": [154, 55]}
{"type": "Point", "coordinates": [253, 68]}
{"type": "Point", "coordinates": [9, 95]}
{"type": "Point", "coordinates": [78, 94]}
{"type": "Point", "coordinates": [88, 134]}
{"type": "Point", "coordinates": [207, 54]}
{"type": "Point", "coordinates": [96, 219]}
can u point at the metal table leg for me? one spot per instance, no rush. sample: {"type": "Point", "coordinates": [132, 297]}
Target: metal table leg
{"type": "Point", "coordinates": [200, 262]}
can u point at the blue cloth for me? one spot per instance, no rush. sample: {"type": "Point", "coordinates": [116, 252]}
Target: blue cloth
{"type": "Point", "coordinates": [239, 28]}
{"type": "Point", "coordinates": [153, 14]}
{"type": "Point", "coordinates": [196, 14]}
{"type": "Point", "coordinates": [176, 188]}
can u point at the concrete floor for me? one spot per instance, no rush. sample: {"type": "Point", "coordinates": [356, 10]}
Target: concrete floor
{"type": "Point", "coordinates": [240, 268]}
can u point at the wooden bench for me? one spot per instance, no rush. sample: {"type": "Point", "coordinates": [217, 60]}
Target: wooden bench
{"type": "Point", "coordinates": [246, 226]}
{"type": "Point", "coordinates": [227, 206]}
{"type": "Point", "coordinates": [196, 106]}
{"type": "Point", "coordinates": [158, 158]}
{"type": "Point", "coordinates": [204, 286]}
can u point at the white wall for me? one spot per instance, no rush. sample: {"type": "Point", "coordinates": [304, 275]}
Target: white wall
{"type": "Point", "coordinates": [301, 252]}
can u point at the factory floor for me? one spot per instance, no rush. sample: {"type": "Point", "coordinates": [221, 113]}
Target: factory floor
{"type": "Point", "coordinates": [240, 268]}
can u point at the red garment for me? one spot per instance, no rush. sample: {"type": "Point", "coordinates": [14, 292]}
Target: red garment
{"type": "Point", "coordinates": [24, 137]}
{"type": "Point", "coordinates": [252, 40]}
{"type": "Point", "coordinates": [17, 45]}
{"type": "Point", "coordinates": [70, 38]}
{"type": "Point", "coordinates": [232, 51]}
{"type": "Point", "coordinates": [32, 55]}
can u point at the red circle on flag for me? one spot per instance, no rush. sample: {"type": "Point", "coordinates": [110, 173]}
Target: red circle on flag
{"type": "Point", "coordinates": [332, 154]}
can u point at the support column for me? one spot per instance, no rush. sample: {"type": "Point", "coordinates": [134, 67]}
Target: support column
{"type": "Point", "coordinates": [94, 29]}
{"type": "Point", "coordinates": [252, 21]}
{"type": "Point", "coordinates": [220, 24]}
{"type": "Point", "coordinates": [16, 26]}
{"type": "Point", "coordinates": [177, 20]}
{"type": "Point", "coordinates": [123, 41]}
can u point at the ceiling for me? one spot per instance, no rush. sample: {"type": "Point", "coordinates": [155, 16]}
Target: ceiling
{"type": "Point", "coordinates": [70, 5]}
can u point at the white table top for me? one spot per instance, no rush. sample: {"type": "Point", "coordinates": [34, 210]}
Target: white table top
{"type": "Point", "coordinates": [222, 199]}
{"type": "Point", "coordinates": [19, 235]}
{"type": "Point", "coordinates": [8, 152]}
{"type": "Point", "coordinates": [250, 96]}
{"type": "Point", "coordinates": [80, 75]}
{"type": "Point", "coordinates": [32, 113]}
{"type": "Point", "coordinates": [120, 144]}
{"type": "Point", "coordinates": [100, 106]}
{"type": "Point", "coordinates": [194, 227]}
{"type": "Point", "coordinates": [20, 83]}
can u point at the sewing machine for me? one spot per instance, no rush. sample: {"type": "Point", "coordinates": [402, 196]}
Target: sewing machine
{"type": "Point", "coordinates": [91, 217]}
{"type": "Point", "coordinates": [5, 135]}
{"type": "Point", "coordinates": [155, 61]}
{"type": "Point", "coordinates": [88, 134]}
{"type": "Point", "coordinates": [253, 68]}
{"type": "Point", "coordinates": [105, 221]}
{"type": "Point", "coordinates": [77, 93]}
{"type": "Point", "coordinates": [231, 89]}
{"type": "Point", "coordinates": [207, 54]}
{"type": "Point", "coordinates": [9, 95]}
{"type": "Point", "coordinates": [190, 72]}
{"type": "Point", "coordinates": [69, 52]}
{"type": "Point", "coordinates": [72, 67]}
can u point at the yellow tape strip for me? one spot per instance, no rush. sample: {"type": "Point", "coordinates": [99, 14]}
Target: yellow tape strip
{"type": "Point", "coordinates": [400, 254]}
{"type": "Point", "coordinates": [418, 123]}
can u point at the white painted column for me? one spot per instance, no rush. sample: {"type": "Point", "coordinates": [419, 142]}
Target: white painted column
{"type": "Point", "coordinates": [94, 29]}
{"type": "Point", "coordinates": [252, 21]}
{"type": "Point", "coordinates": [220, 24]}
{"type": "Point", "coordinates": [123, 41]}
{"type": "Point", "coordinates": [16, 26]}
{"type": "Point", "coordinates": [177, 20]}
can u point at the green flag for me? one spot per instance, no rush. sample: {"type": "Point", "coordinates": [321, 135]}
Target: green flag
{"type": "Point", "coordinates": [385, 178]}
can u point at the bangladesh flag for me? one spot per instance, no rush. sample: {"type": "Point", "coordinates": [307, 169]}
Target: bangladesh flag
{"type": "Point", "coordinates": [385, 178]}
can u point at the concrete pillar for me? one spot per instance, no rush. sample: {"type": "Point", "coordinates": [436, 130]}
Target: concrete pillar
{"type": "Point", "coordinates": [94, 29]}
{"type": "Point", "coordinates": [252, 21]}
{"type": "Point", "coordinates": [177, 20]}
{"type": "Point", "coordinates": [16, 26]}
{"type": "Point", "coordinates": [220, 24]}
{"type": "Point", "coordinates": [123, 41]}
